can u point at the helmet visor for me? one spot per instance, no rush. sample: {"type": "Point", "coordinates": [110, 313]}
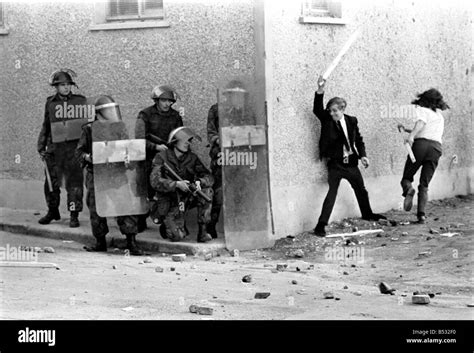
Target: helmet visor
{"type": "Point", "coordinates": [109, 112]}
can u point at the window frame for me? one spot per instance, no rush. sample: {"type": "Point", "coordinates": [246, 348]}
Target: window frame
{"type": "Point", "coordinates": [331, 16]}
{"type": "Point", "coordinates": [3, 26]}
{"type": "Point", "coordinates": [104, 21]}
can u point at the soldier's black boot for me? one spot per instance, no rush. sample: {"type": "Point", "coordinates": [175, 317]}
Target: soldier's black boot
{"type": "Point", "coordinates": [53, 214]}
{"type": "Point", "coordinates": [211, 230]}
{"type": "Point", "coordinates": [100, 245]}
{"type": "Point", "coordinates": [74, 220]}
{"type": "Point", "coordinates": [141, 224]}
{"type": "Point", "coordinates": [203, 235]}
{"type": "Point", "coordinates": [132, 245]}
{"type": "Point", "coordinates": [211, 226]}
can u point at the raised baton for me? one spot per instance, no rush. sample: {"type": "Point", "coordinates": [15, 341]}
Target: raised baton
{"type": "Point", "coordinates": [339, 56]}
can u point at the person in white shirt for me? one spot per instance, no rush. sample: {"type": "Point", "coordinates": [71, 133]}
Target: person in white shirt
{"type": "Point", "coordinates": [425, 139]}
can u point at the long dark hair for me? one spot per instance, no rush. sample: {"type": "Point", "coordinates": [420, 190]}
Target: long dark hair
{"type": "Point", "coordinates": [431, 99]}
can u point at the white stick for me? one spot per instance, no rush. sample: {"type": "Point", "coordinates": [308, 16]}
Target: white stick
{"type": "Point", "coordinates": [360, 232]}
{"type": "Point", "coordinates": [28, 264]}
{"type": "Point", "coordinates": [339, 56]}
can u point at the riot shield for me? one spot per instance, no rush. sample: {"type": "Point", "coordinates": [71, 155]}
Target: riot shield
{"type": "Point", "coordinates": [119, 170]}
{"type": "Point", "coordinates": [68, 117]}
{"type": "Point", "coordinates": [244, 161]}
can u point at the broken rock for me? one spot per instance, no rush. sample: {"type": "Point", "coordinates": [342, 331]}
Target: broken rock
{"type": "Point", "coordinates": [178, 257]}
{"type": "Point", "coordinates": [294, 281]}
{"type": "Point", "coordinates": [281, 267]}
{"type": "Point", "coordinates": [385, 288]}
{"type": "Point", "coordinates": [201, 310]}
{"type": "Point", "coordinates": [48, 249]}
{"type": "Point", "coordinates": [262, 295]}
{"type": "Point", "coordinates": [159, 269]}
{"type": "Point", "coordinates": [148, 260]}
{"type": "Point", "coordinates": [328, 295]}
{"type": "Point", "coordinates": [247, 279]}
{"type": "Point", "coordinates": [297, 253]}
{"type": "Point", "coordinates": [420, 299]}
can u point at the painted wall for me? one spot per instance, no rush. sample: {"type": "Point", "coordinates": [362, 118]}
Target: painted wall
{"type": "Point", "coordinates": [405, 48]}
{"type": "Point", "coordinates": [199, 50]}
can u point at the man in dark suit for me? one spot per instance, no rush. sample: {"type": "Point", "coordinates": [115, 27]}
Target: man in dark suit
{"type": "Point", "coordinates": [342, 145]}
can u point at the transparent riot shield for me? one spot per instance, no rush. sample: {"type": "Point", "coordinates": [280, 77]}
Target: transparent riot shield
{"type": "Point", "coordinates": [68, 117]}
{"type": "Point", "coordinates": [244, 161]}
{"type": "Point", "coordinates": [119, 170]}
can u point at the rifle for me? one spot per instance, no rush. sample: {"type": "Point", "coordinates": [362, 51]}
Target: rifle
{"type": "Point", "coordinates": [156, 139]}
{"type": "Point", "coordinates": [192, 187]}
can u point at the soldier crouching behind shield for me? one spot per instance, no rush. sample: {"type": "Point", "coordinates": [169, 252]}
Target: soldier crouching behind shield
{"type": "Point", "coordinates": [173, 196]}
{"type": "Point", "coordinates": [106, 110]}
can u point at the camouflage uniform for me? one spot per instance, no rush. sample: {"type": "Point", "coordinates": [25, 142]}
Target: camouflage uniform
{"type": "Point", "coordinates": [172, 203]}
{"type": "Point", "coordinates": [159, 124]}
{"type": "Point", "coordinates": [60, 160]}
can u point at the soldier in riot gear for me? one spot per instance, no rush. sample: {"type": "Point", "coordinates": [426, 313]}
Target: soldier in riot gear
{"type": "Point", "coordinates": [56, 145]}
{"type": "Point", "coordinates": [174, 197]}
{"type": "Point", "coordinates": [107, 111]}
{"type": "Point", "coordinates": [158, 121]}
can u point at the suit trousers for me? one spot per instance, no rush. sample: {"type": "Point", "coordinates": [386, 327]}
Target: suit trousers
{"type": "Point", "coordinates": [337, 171]}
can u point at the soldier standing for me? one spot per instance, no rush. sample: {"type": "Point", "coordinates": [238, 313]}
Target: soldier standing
{"type": "Point", "coordinates": [216, 169]}
{"type": "Point", "coordinates": [106, 110]}
{"type": "Point", "coordinates": [56, 145]}
{"type": "Point", "coordinates": [174, 197]}
{"type": "Point", "coordinates": [158, 121]}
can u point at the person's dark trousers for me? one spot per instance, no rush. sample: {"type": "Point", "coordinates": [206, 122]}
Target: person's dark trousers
{"type": "Point", "coordinates": [64, 164]}
{"type": "Point", "coordinates": [427, 154]}
{"type": "Point", "coordinates": [337, 171]}
{"type": "Point", "coordinates": [141, 219]}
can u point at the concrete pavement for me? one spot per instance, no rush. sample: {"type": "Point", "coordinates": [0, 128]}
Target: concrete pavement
{"type": "Point", "coordinates": [26, 222]}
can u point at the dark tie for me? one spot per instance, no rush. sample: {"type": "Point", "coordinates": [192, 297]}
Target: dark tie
{"type": "Point", "coordinates": [346, 143]}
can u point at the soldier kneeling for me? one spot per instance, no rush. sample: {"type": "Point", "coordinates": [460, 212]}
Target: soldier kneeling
{"type": "Point", "coordinates": [174, 196]}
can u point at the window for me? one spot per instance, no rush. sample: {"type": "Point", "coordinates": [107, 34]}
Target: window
{"type": "Point", "coordinates": [321, 11]}
{"type": "Point", "coordinates": [128, 14]}
{"type": "Point", "coordinates": [135, 9]}
{"type": "Point", "coordinates": [3, 29]}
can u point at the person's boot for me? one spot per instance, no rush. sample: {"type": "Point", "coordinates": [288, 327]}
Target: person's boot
{"type": "Point", "coordinates": [53, 214]}
{"type": "Point", "coordinates": [211, 230]}
{"type": "Point", "coordinates": [408, 202]}
{"type": "Point", "coordinates": [422, 200]}
{"type": "Point", "coordinates": [141, 224]}
{"type": "Point", "coordinates": [74, 220]}
{"type": "Point", "coordinates": [132, 245]}
{"type": "Point", "coordinates": [319, 230]}
{"type": "Point", "coordinates": [203, 236]}
{"type": "Point", "coordinates": [100, 246]}
{"type": "Point", "coordinates": [163, 231]}
{"type": "Point", "coordinates": [211, 226]}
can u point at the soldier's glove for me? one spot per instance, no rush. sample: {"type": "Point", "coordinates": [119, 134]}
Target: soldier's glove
{"type": "Point", "coordinates": [161, 148]}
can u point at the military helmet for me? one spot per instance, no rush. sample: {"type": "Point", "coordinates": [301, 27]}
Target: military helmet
{"type": "Point", "coordinates": [235, 86]}
{"type": "Point", "coordinates": [182, 133]}
{"type": "Point", "coordinates": [108, 109]}
{"type": "Point", "coordinates": [62, 76]}
{"type": "Point", "coordinates": [164, 92]}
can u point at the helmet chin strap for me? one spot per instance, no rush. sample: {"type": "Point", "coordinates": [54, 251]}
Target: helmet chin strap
{"type": "Point", "coordinates": [180, 149]}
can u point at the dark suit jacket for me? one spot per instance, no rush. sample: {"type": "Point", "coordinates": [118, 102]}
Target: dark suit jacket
{"type": "Point", "coordinates": [331, 143]}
